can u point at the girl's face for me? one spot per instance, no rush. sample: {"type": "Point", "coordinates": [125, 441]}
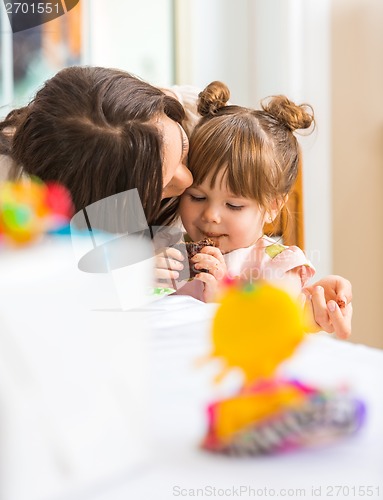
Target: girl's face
{"type": "Point", "coordinates": [176, 175]}
{"type": "Point", "coordinates": [230, 221]}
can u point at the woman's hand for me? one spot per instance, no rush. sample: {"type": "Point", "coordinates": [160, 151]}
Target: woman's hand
{"type": "Point", "coordinates": [168, 264]}
{"type": "Point", "coordinates": [211, 259]}
{"type": "Point", "coordinates": [329, 301]}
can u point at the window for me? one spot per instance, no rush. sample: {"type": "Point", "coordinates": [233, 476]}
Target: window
{"type": "Point", "coordinates": [30, 55]}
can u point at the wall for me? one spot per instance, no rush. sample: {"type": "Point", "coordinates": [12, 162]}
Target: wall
{"type": "Point", "coordinates": [357, 157]}
{"type": "Point", "coordinates": [213, 42]}
{"type": "Point", "coordinates": [265, 47]}
{"type": "Point", "coordinates": [292, 57]}
{"type": "Point", "coordinates": [134, 35]}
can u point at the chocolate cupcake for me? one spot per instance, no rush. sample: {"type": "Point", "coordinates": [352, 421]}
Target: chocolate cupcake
{"type": "Point", "coordinates": [192, 248]}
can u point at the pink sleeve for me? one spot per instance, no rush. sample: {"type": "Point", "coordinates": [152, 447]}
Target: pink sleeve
{"type": "Point", "coordinates": [292, 258]}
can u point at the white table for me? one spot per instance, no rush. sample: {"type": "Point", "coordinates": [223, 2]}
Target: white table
{"type": "Point", "coordinates": [179, 332]}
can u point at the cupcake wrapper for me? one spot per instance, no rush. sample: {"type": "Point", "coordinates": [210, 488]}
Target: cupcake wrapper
{"type": "Point", "coordinates": [320, 420]}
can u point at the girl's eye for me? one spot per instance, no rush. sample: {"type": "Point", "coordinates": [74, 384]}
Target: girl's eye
{"type": "Point", "coordinates": [196, 198]}
{"type": "Point", "coordinates": [234, 207]}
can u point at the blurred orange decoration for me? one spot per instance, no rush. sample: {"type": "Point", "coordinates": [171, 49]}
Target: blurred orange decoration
{"type": "Point", "coordinates": [30, 208]}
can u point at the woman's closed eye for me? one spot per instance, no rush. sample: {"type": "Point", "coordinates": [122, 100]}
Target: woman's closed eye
{"type": "Point", "coordinates": [185, 145]}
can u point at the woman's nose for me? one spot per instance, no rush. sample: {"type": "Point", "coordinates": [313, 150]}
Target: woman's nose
{"type": "Point", "coordinates": [183, 177]}
{"type": "Point", "coordinates": [181, 180]}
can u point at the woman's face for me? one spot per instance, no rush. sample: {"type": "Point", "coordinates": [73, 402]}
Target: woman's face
{"type": "Point", "coordinates": [176, 175]}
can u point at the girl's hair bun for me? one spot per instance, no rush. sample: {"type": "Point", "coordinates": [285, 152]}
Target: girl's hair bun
{"type": "Point", "coordinates": [212, 98]}
{"type": "Point", "coordinates": [293, 116]}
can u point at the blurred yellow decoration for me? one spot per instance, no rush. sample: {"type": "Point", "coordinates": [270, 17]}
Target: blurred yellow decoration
{"type": "Point", "coordinates": [246, 409]}
{"type": "Point", "coordinates": [256, 327]}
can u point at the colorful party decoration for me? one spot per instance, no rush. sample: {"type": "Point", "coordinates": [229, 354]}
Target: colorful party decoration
{"type": "Point", "coordinates": [30, 208]}
{"type": "Point", "coordinates": [256, 327]}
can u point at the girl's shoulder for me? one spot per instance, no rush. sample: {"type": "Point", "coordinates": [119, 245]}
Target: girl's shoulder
{"type": "Point", "coordinates": [288, 258]}
{"type": "Point", "coordinates": [272, 246]}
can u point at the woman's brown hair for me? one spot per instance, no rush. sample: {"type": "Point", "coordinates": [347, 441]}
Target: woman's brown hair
{"type": "Point", "coordinates": [256, 149]}
{"type": "Point", "coordinates": [93, 130]}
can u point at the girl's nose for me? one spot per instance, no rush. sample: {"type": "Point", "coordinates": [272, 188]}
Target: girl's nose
{"type": "Point", "coordinates": [211, 214]}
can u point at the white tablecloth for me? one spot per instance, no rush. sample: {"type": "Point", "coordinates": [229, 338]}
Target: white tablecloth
{"type": "Point", "coordinates": [343, 469]}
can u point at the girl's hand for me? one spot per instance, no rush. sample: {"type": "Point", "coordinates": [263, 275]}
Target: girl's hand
{"type": "Point", "coordinates": [211, 259]}
{"type": "Point", "coordinates": [329, 300]}
{"type": "Point", "coordinates": [167, 266]}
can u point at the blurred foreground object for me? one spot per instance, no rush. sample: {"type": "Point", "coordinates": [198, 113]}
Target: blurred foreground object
{"type": "Point", "coordinates": [256, 327]}
{"type": "Point", "coordinates": [112, 236]}
{"type": "Point", "coordinates": [30, 208]}
{"type": "Point", "coordinates": [73, 371]}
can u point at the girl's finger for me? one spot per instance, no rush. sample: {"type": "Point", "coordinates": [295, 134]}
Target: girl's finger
{"type": "Point", "coordinates": [204, 258]}
{"type": "Point", "coordinates": [340, 319]}
{"type": "Point", "coordinates": [312, 325]}
{"type": "Point", "coordinates": [218, 271]}
{"type": "Point", "coordinates": [206, 278]}
{"type": "Point", "coordinates": [165, 274]}
{"type": "Point", "coordinates": [320, 311]}
{"type": "Point", "coordinates": [302, 298]}
{"type": "Point", "coordinates": [203, 262]}
{"type": "Point", "coordinates": [215, 252]}
{"type": "Point", "coordinates": [165, 263]}
{"type": "Point", "coordinates": [171, 253]}
{"type": "Point", "coordinates": [212, 265]}
{"type": "Point", "coordinates": [206, 263]}
{"type": "Point", "coordinates": [342, 301]}
{"type": "Point", "coordinates": [343, 290]}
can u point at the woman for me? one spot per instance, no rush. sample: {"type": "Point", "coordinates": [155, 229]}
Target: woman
{"type": "Point", "coordinates": [101, 131]}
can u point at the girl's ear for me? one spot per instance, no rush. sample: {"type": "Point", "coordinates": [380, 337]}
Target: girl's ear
{"type": "Point", "coordinates": [275, 207]}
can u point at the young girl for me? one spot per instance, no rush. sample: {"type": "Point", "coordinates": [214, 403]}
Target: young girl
{"type": "Point", "coordinates": [244, 163]}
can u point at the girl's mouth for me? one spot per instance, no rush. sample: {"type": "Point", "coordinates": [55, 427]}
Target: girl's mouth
{"type": "Point", "coordinates": [213, 236]}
